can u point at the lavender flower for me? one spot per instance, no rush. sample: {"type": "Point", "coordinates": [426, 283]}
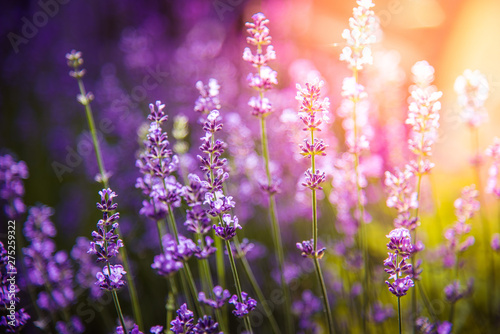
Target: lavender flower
{"type": "Point", "coordinates": [227, 230]}
{"type": "Point", "coordinates": [45, 265]}
{"type": "Point", "coordinates": [221, 296]}
{"type": "Point", "coordinates": [401, 247]}
{"type": "Point", "coordinates": [305, 308]}
{"type": "Point", "coordinates": [166, 264]}
{"type": "Point", "coordinates": [204, 250]}
{"type": "Point", "coordinates": [156, 164]}
{"type": "Point", "coordinates": [242, 308]}
{"type": "Point", "coordinates": [11, 185]}
{"type": "Point", "coordinates": [465, 207]}
{"type": "Point", "coordinates": [454, 292]}
{"type": "Point", "coordinates": [426, 327]}
{"type": "Point", "coordinates": [402, 196]}
{"type": "Point", "coordinates": [206, 325]}
{"type": "Point", "coordinates": [156, 329]}
{"type": "Point", "coordinates": [364, 29]}
{"type": "Point", "coordinates": [183, 323]}
{"type": "Point", "coordinates": [265, 78]}
{"type": "Point", "coordinates": [307, 249]}
{"type": "Point", "coordinates": [472, 89]}
{"type": "Point", "coordinates": [106, 243]}
{"type": "Point", "coordinates": [75, 326]}
{"type": "Point", "coordinates": [423, 116]}
{"type": "Point", "coordinates": [209, 97]}
{"type": "Point", "coordinates": [111, 277]}
{"type": "Point", "coordinates": [133, 330]}
{"type": "Point", "coordinates": [85, 275]}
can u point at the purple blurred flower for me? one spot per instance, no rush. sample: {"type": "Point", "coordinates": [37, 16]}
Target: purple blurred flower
{"type": "Point", "coordinates": [166, 264]}
{"type": "Point", "coordinates": [204, 249]}
{"type": "Point", "coordinates": [472, 89]}
{"type": "Point", "coordinates": [495, 242]}
{"type": "Point", "coordinates": [220, 295]}
{"type": "Point", "coordinates": [133, 330]}
{"type": "Point", "coordinates": [75, 326]}
{"type": "Point", "coordinates": [209, 97]}
{"type": "Point", "coordinates": [454, 292]}
{"type": "Point", "coordinates": [156, 330]}
{"type": "Point", "coordinates": [12, 186]}
{"type": "Point", "coordinates": [306, 308]}
{"type": "Point", "coordinates": [381, 313]}
{"type": "Point", "coordinates": [85, 275]}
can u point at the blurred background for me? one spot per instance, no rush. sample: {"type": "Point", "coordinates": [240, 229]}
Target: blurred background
{"type": "Point", "coordinates": [137, 52]}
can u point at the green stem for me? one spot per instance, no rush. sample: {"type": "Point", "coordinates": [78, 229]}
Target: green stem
{"type": "Point", "coordinates": [119, 309]}
{"type": "Point", "coordinates": [185, 271]}
{"type": "Point", "coordinates": [319, 274]}
{"type": "Point", "coordinates": [276, 233]}
{"type": "Point", "coordinates": [104, 179]}
{"type": "Point", "coordinates": [484, 220]}
{"type": "Point", "coordinates": [260, 295]}
{"type": "Point", "coordinates": [237, 283]}
{"type": "Point", "coordinates": [399, 314]}
{"type": "Point", "coordinates": [361, 212]}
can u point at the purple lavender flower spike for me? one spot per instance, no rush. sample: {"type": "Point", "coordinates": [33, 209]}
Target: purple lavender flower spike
{"type": "Point", "coordinates": [209, 97]}
{"type": "Point", "coordinates": [400, 286]}
{"type": "Point", "coordinates": [401, 248]}
{"type": "Point", "coordinates": [227, 231]}
{"type": "Point", "coordinates": [183, 323]}
{"type": "Point", "coordinates": [205, 251]}
{"type": "Point", "coordinates": [111, 278]}
{"type": "Point", "coordinates": [247, 304]}
{"type": "Point", "coordinates": [206, 325]}
{"type": "Point", "coordinates": [307, 249]}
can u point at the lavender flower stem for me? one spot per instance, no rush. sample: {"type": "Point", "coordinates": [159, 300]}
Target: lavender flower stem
{"type": "Point", "coordinates": [237, 282]}
{"type": "Point", "coordinates": [257, 289]}
{"type": "Point", "coordinates": [319, 274]}
{"type": "Point", "coordinates": [219, 253]}
{"type": "Point", "coordinates": [118, 308]}
{"type": "Point", "coordinates": [484, 220]}
{"type": "Point", "coordinates": [399, 314]}
{"type": "Point", "coordinates": [186, 271]}
{"type": "Point", "coordinates": [278, 244]}
{"type": "Point", "coordinates": [361, 209]}
{"type": "Point", "coordinates": [104, 178]}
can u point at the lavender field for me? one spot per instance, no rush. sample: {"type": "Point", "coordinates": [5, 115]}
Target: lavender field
{"type": "Point", "coordinates": [240, 166]}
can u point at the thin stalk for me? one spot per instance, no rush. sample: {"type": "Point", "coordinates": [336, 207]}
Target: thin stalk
{"type": "Point", "coordinates": [185, 271]}
{"type": "Point", "coordinates": [276, 233]}
{"type": "Point", "coordinates": [236, 278]}
{"type": "Point", "coordinates": [361, 210]}
{"type": "Point", "coordinates": [119, 310]}
{"type": "Point", "coordinates": [113, 292]}
{"type": "Point", "coordinates": [104, 178]}
{"type": "Point", "coordinates": [256, 288]}
{"type": "Point", "coordinates": [319, 274]}
{"type": "Point", "coordinates": [170, 307]}
{"type": "Point", "coordinates": [399, 314]}
{"type": "Point", "coordinates": [483, 218]}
